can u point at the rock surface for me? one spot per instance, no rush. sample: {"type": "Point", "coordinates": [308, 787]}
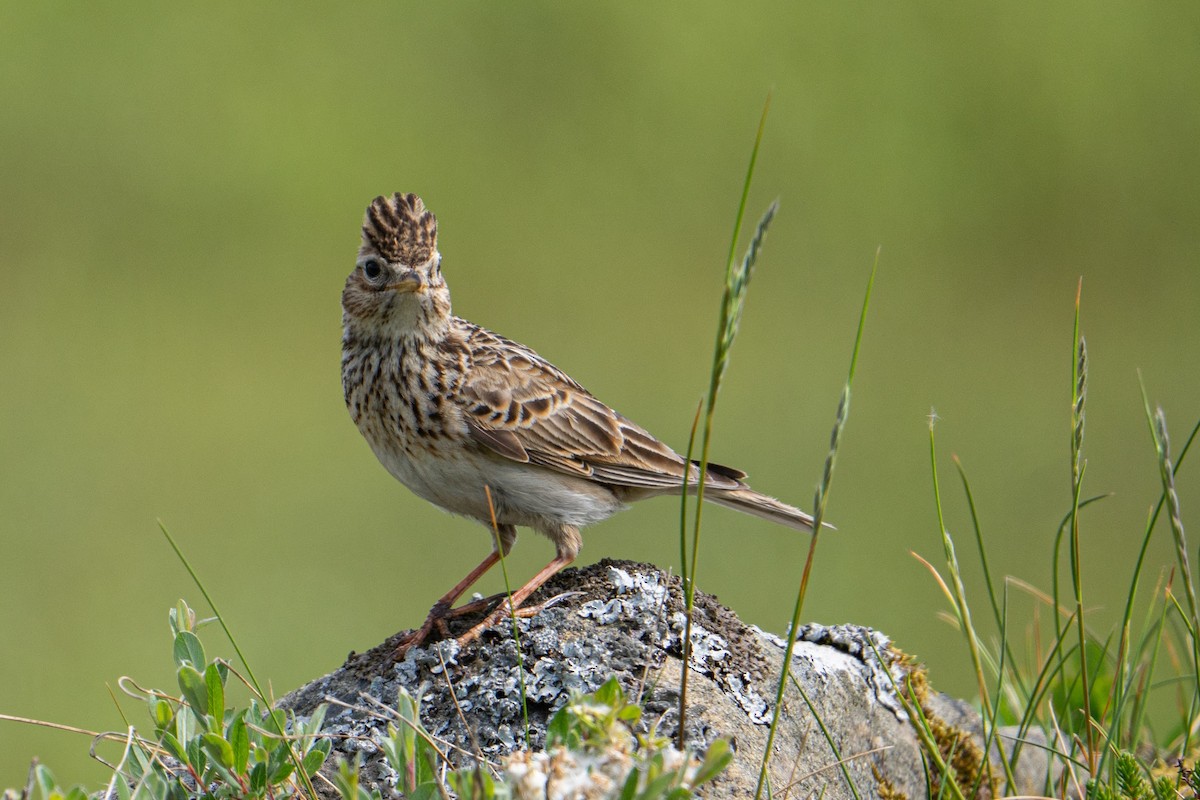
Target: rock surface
{"type": "Point", "coordinates": [626, 619]}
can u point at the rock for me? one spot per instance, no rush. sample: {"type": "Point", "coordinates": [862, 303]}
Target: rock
{"type": "Point", "coordinates": [627, 619]}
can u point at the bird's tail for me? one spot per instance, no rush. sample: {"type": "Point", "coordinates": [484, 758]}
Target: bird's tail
{"type": "Point", "coordinates": [749, 501]}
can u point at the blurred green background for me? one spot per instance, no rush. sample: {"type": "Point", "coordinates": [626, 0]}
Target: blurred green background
{"type": "Point", "coordinates": [182, 190]}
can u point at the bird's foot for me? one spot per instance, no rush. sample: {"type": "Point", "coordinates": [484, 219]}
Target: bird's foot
{"type": "Point", "coordinates": [422, 635]}
{"type": "Point", "coordinates": [503, 612]}
{"type": "Point", "coordinates": [435, 629]}
{"type": "Point", "coordinates": [509, 606]}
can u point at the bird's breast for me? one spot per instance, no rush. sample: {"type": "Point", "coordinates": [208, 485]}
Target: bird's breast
{"type": "Point", "coordinates": [400, 395]}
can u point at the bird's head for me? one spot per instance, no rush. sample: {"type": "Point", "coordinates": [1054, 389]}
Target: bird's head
{"type": "Point", "coordinates": [397, 286]}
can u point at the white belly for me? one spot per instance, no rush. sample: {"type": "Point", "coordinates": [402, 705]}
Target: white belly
{"type": "Point", "coordinates": [522, 494]}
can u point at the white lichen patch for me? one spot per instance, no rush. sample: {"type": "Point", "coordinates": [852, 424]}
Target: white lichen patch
{"type": "Point", "coordinates": [707, 647]}
{"type": "Point", "coordinates": [740, 687]}
{"type": "Point", "coordinates": [640, 599]}
{"type": "Point", "coordinates": [835, 648]}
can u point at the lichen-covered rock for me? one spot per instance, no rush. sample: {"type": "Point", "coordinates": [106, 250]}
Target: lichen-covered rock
{"type": "Point", "coordinates": [487, 700]}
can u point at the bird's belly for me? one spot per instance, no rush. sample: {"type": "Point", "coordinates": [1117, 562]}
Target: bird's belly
{"type": "Point", "coordinates": [521, 494]}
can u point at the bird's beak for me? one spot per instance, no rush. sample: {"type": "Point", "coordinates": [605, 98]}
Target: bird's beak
{"type": "Point", "coordinates": [409, 281]}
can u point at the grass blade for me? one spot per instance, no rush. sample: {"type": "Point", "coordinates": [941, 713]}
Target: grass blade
{"type": "Point", "coordinates": [819, 502]}
{"type": "Point", "coordinates": [737, 281]}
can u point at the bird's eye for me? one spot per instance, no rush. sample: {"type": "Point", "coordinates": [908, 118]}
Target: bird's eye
{"type": "Point", "coordinates": [372, 269]}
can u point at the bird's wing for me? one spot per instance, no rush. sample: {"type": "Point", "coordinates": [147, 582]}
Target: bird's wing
{"type": "Point", "coordinates": [524, 408]}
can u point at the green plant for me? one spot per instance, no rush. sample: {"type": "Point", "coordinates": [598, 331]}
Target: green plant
{"type": "Point", "coordinates": [1130, 782]}
{"type": "Point", "coordinates": [1089, 692]}
{"type": "Point", "coordinates": [733, 299]}
{"type": "Point", "coordinates": [202, 746]}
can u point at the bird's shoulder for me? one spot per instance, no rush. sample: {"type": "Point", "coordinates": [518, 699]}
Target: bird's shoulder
{"type": "Point", "coordinates": [495, 361]}
{"type": "Point", "coordinates": [508, 386]}
{"type": "Point", "coordinates": [523, 407]}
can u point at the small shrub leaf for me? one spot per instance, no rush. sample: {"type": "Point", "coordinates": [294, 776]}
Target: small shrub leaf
{"type": "Point", "coordinates": [219, 750]}
{"type": "Point", "coordinates": [629, 790]}
{"type": "Point", "coordinates": [195, 755]}
{"type": "Point", "coordinates": [610, 694]}
{"type": "Point", "coordinates": [279, 766]}
{"type": "Point", "coordinates": [239, 740]}
{"type": "Point", "coordinates": [258, 778]}
{"type": "Point", "coordinates": [162, 713]}
{"type": "Point", "coordinates": [194, 690]}
{"type": "Point", "coordinates": [188, 650]}
{"type": "Point", "coordinates": [656, 788]}
{"type": "Point", "coordinates": [315, 757]}
{"type": "Point", "coordinates": [716, 759]}
{"type": "Point", "coordinates": [174, 747]}
{"type": "Point", "coordinates": [215, 687]}
{"type": "Point", "coordinates": [560, 731]}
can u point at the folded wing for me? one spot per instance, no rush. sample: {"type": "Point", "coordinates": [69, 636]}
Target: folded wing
{"type": "Point", "coordinates": [522, 407]}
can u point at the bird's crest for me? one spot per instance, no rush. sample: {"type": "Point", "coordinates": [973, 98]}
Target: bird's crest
{"type": "Point", "coordinates": [400, 229]}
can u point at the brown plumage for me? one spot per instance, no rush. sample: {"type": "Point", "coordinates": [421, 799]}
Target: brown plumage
{"type": "Point", "coordinates": [451, 408]}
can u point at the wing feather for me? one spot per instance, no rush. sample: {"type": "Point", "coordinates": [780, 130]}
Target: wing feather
{"type": "Point", "coordinates": [524, 408]}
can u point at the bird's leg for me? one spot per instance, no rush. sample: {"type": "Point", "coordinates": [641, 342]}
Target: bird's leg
{"type": "Point", "coordinates": [480, 606]}
{"type": "Point", "coordinates": [508, 535]}
{"type": "Point", "coordinates": [568, 542]}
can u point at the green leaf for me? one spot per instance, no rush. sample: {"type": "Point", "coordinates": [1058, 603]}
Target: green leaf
{"type": "Point", "coordinates": [181, 618]}
{"type": "Point", "coordinates": [188, 649]}
{"type": "Point", "coordinates": [258, 778]}
{"type": "Point", "coordinates": [629, 790]}
{"type": "Point", "coordinates": [275, 722]}
{"type": "Point", "coordinates": [216, 693]}
{"type": "Point", "coordinates": [346, 779]}
{"type": "Point", "coordinates": [314, 758]}
{"type": "Point", "coordinates": [194, 690]}
{"type": "Point", "coordinates": [656, 788]}
{"type": "Point", "coordinates": [239, 740]}
{"type": "Point", "coordinates": [195, 755]}
{"type": "Point", "coordinates": [469, 782]}
{"type": "Point", "coordinates": [610, 694]}
{"type": "Point", "coordinates": [154, 786]}
{"type": "Point", "coordinates": [185, 724]}
{"type": "Point", "coordinates": [560, 730]}
{"type": "Point", "coordinates": [279, 766]}
{"type": "Point", "coordinates": [135, 763]}
{"type": "Point", "coordinates": [315, 722]}
{"type": "Point", "coordinates": [281, 773]}
{"type": "Point", "coordinates": [44, 779]}
{"type": "Point", "coordinates": [219, 749]}
{"type": "Point", "coordinates": [172, 744]}
{"type": "Point", "coordinates": [715, 761]}
{"type": "Point", "coordinates": [162, 713]}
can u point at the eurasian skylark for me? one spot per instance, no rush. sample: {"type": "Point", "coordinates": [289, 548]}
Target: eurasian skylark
{"type": "Point", "coordinates": [485, 427]}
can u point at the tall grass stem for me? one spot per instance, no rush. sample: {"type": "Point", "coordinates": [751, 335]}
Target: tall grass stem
{"type": "Point", "coordinates": [820, 500]}
{"type": "Point", "coordinates": [737, 281]}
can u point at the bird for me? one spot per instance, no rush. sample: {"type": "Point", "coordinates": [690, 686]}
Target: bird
{"type": "Point", "coordinates": [485, 428]}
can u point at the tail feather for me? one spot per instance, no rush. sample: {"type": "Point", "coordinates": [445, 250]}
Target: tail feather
{"type": "Point", "coordinates": [722, 470]}
{"type": "Point", "coordinates": [751, 502]}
